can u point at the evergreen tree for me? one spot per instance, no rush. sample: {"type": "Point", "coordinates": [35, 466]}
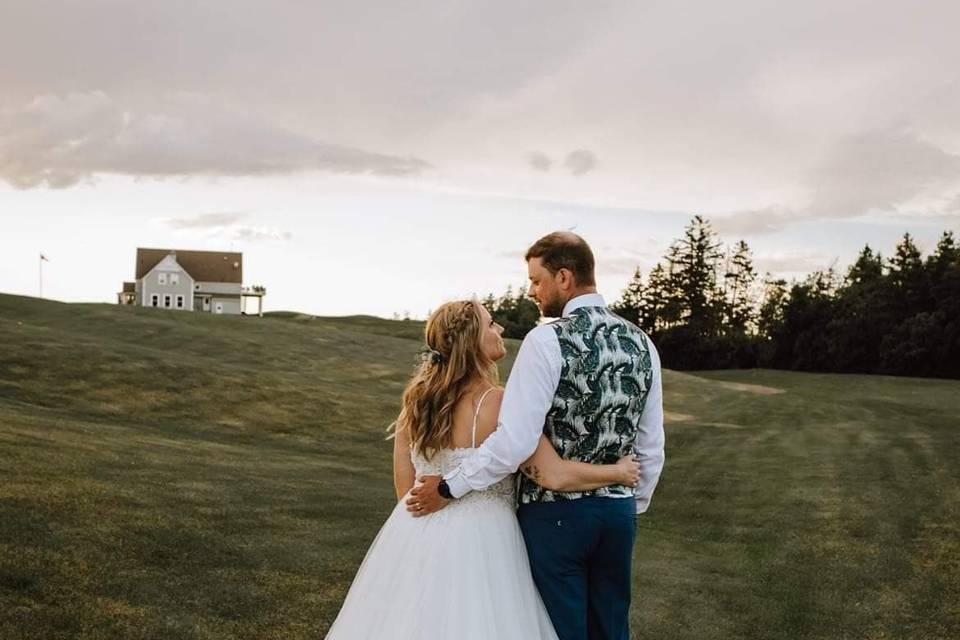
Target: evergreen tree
{"type": "Point", "coordinates": [862, 315]}
{"type": "Point", "coordinates": [944, 258]}
{"type": "Point", "coordinates": [661, 305]}
{"type": "Point", "coordinates": [631, 303]}
{"type": "Point", "coordinates": [926, 342]}
{"type": "Point", "coordinates": [867, 269]}
{"type": "Point", "coordinates": [943, 269]}
{"type": "Point", "coordinates": [805, 318]}
{"type": "Point", "coordinates": [907, 277]}
{"type": "Point", "coordinates": [694, 262]}
{"type": "Point", "coordinates": [775, 299]}
{"type": "Point", "coordinates": [944, 276]}
{"type": "Point", "coordinates": [770, 345]}
{"type": "Point", "coordinates": [516, 313]}
{"type": "Point", "coordinates": [739, 300]}
{"type": "Point", "coordinates": [896, 316]}
{"type": "Point", "coordinates": [905, 262]}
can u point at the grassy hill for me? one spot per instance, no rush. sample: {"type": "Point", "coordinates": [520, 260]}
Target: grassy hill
{"type": "Point", "coordinates": [175, 475]}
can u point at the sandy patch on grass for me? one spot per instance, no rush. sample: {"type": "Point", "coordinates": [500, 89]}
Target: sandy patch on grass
{"type": "Point", "coordinates": [750, 388]}
{"type": "Point", "coordinates": [721, 425]}
{"type": "Point", "coordinates": [377, 369]}
{"type": "Point", "coordinates": [672, 417]}
{"type": "Point", "coordinates": [677, 377]}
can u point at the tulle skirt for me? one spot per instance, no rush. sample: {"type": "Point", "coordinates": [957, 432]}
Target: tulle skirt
{"type": "Point", "coordinates": [460, 574]}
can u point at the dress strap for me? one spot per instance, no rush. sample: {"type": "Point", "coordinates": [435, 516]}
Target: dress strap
{"type": "Point", "coordinates": [473, 436]}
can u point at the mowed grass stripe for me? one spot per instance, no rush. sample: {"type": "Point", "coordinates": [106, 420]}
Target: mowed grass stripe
{"type": "Point", "coordinates": [177, 475]}
{"type": "Point", "coordinates": [815, 519]}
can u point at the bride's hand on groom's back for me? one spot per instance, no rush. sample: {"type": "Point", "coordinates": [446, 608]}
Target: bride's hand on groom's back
{"type": "Point", "coordinates": [425, 498]}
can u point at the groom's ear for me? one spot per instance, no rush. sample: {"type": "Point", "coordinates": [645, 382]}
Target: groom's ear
{"type": "Point", "coordinates": [565, 279]}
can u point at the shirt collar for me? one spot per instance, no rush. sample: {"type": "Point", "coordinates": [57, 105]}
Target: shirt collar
{"type": "Point", "coordinates": [586, 300]}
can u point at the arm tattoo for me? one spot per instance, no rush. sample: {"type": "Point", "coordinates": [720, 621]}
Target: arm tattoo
{"type": "Point", "coordinates": [532, 471]}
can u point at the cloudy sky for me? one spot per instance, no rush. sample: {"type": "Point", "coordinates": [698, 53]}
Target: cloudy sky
{"type": "Point", "coordinates": [383, 157]}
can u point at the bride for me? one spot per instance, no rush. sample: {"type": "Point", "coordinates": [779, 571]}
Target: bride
{"type": "Point", "coordinates": [461, 572]}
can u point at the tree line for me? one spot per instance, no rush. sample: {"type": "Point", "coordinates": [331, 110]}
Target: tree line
{"type": "Point", "coordinates": [706, 307]}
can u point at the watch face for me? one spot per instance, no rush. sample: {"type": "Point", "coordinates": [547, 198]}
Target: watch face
{"type": "Point", "coordinates": [444, 490]}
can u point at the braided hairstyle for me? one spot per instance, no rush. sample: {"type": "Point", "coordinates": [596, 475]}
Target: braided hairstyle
{"type": "Point", "coordinates": [455, 365]}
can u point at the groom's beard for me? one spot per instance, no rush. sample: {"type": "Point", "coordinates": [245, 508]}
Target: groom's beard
{"type": "Point", "coordinates": [551, 308]}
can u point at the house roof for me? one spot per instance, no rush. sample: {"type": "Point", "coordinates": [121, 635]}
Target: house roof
{"type": "Point", "coordinates": [129, 287]}
{"type": "Point", "coordinates": [203, 266]}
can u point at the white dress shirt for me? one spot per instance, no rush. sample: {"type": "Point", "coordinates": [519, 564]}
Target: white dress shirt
{"type": "Point", "coordinates": [527, 399]}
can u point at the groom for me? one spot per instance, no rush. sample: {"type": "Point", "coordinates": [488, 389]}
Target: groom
{"type": "Point", "coordinates": [590, 381]}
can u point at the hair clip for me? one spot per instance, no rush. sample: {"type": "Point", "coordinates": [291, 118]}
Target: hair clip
{"type": "Point", "coordinates": [431, 355]}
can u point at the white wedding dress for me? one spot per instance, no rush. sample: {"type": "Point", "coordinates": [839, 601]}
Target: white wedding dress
{"type": "Point", "coordinates": [460, 574]}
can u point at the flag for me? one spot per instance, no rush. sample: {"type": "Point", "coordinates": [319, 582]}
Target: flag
{"type": "Point", "coordinates": [44, 258]}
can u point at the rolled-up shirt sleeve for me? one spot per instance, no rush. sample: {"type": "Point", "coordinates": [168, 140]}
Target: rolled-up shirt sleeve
{"type": "Point", "coordinates": [650, 436]}
{"type": "Point", "coordinates": [526, 400]}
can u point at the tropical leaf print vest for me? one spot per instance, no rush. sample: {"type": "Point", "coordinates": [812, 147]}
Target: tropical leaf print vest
{"type": "Point", "coordinates": [604, 381]}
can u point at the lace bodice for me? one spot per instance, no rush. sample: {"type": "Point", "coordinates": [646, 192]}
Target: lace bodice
{"type": "Point", "coordinates": [447, 460]}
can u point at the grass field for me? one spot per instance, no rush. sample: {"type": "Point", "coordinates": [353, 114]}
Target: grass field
{"type": "Point", "coordinates": [170, 475]}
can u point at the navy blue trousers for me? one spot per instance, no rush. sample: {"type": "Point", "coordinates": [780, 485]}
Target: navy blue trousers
{"type": "Point", "coordinates": [581, 554]}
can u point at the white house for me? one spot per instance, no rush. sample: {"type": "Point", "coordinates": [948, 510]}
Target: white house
{"type": "Point", "coordinates": [209, 281]}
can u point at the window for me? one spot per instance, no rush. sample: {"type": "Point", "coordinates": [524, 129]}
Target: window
{"type": "Point", "coordinates": [179, 302]}
{"type": "Point", "coordinates": [155, 300]}
{"type": "Point", "coordinates": [166, 300]}
{"type": "Point", "coordinates": [174, 278]}
{"type": "Point", "coordinates": [161, 278]}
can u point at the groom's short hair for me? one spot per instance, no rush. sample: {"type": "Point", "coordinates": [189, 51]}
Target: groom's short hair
{"type": "Point", "coordinates": [565, 250]}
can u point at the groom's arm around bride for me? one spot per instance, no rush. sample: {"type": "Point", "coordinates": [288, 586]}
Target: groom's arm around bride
{"type": "Point", "coordinates": [590, 382]}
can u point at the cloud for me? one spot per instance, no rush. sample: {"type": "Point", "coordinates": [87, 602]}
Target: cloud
{"type": "Point", "coordinates": [620, 265]}
{"type": "Point", "coordinates": [59, 140]}
{"type": "Point", "coordinates": [378, 75]}
{"type": "Point", "coordinates": [224, 225]}
{"type": "Point", "coordinates": [891, 170]}
{"type": "Point", "coordinates": [792, 261]}
{"type": "Point", "coordinates": [880, 170]}
{"type": "Point", "coordinates": [755, 221]}
{"type": "Point", "coordinates": [203, 221]}
{"type": "Point", "coordinates": [952, 206]}
{"type": "Point", "coordinates": [539, 161]}
{"type": "Point", "coordinates": [724, 107]}
{"type": "Point", "coordinates": [625, 260]}
{"type": "Point", "coordinates": [580, 162]}
{"type": "Point", "coordinates": [577, 162]}
{"type": "Point", "coordinates": [255, 234]}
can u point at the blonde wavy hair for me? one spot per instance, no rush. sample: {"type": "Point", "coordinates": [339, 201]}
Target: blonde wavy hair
{"type": "Point", "coordinates": [454, 365]}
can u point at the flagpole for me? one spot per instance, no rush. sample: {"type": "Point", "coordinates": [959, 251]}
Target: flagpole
{"type": "Point", "coordinates": [41, 275]}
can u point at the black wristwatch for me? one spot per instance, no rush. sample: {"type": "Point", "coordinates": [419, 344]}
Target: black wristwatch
{"type": "Point", "coordinates": [444, 490]}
